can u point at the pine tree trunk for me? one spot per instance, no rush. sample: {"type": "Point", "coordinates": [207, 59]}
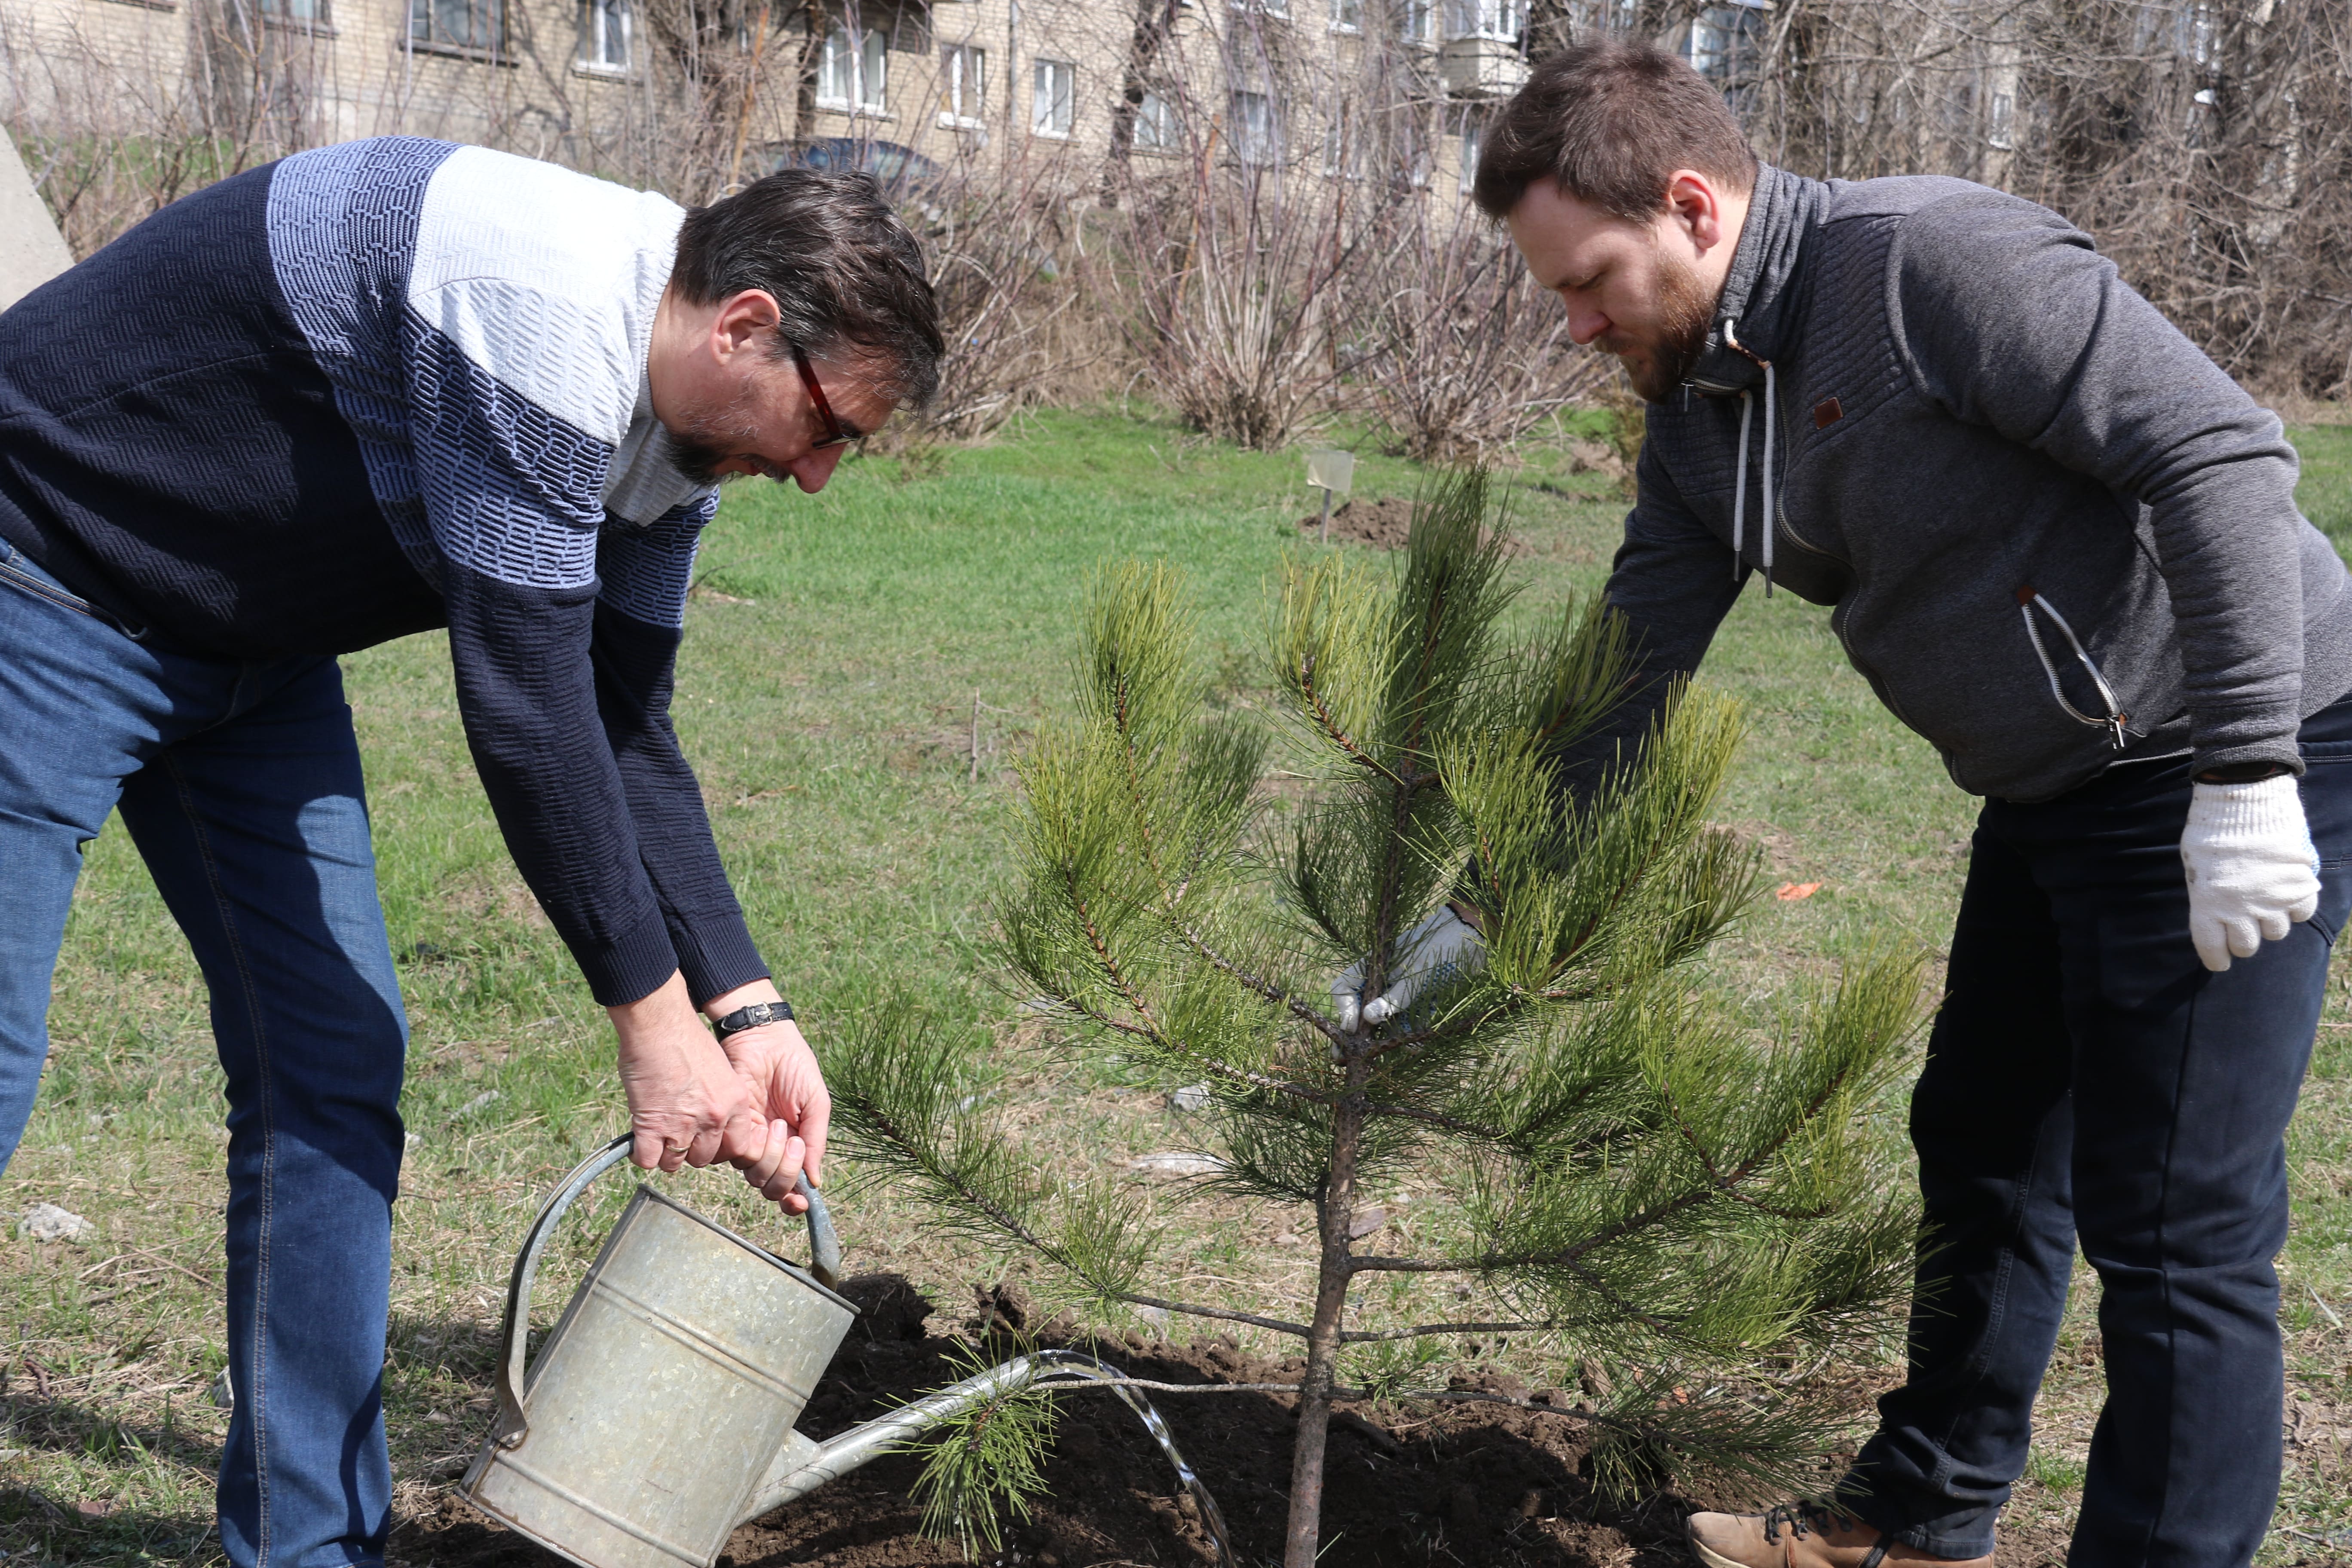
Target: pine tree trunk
{"type": "Point", "coordinates": [1338, 1212]}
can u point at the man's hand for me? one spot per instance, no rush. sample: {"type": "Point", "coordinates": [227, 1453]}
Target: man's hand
{"type": "Point", "coordinates": [1439, 948]}
{"type": "Point", "coordinates": [2251, 870]}
{"type": "Point", "coordinates": [687, 1105]}
{"type": "Point", "coordinates": [780, 1073]}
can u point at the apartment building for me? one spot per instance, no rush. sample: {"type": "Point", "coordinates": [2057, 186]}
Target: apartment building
{"type": "Point", "coordinates": [691, 95]}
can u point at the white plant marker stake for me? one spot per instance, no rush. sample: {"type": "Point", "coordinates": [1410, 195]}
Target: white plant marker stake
{"type": "Point", "coordinates": [1333, 473]}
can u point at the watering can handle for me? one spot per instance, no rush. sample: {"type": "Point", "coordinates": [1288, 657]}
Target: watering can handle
{"type": "Point", "coordinates": [824, 1262]}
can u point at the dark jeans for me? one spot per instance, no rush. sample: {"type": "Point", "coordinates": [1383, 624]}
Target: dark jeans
{"type": "Point", "coordinates": [2089, 1079]}
{"type": "Point", "coordinates": [240, 784]}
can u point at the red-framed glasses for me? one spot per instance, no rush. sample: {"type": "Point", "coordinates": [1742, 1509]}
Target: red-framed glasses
{"type": "Point", "coordinates": [836, 434]}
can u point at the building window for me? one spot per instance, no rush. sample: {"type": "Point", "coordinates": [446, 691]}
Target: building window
{"type": "Point", "coordinates": [1473, 141]}
{"type": "Point", "coordinates": [1346, 15]}
{"type": "Point", "coordinates": [301, 13]}
{"type": "Point", "coordinates": [1724, 41]}
{"type": "Point", "coordinates": [963, 86]}
{"type": "Point", "coordinates": [1416, 20]}
{"type": "Point", "coordinates": [2004, 116]}
{"type": "Point", "coordinates": [605, 37]}
{"type": "Point", "coordinates": [1502, 19]}
{"type": "Point", "coordinates": [458, 24]}
{"type": "Point", "coordinates": [1155, 124]}
{"type": "Point", "coordinates": [1054, 98]}
{"type": "Point", "coordinates": [853, 71]}
{"type": "Point", "coordinates": [1255, 133]}
{"type": "Point", "coordinates": [1342, 157]}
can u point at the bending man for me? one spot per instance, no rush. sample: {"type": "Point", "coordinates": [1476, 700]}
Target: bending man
{"type": "Point", "coordinates": [2062, 546]}
{"type": "Point", "coordinates": [377, 388]}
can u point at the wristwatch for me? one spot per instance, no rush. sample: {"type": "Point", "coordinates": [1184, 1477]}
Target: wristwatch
{"type": "Point", "coordinates": [753, 1017]}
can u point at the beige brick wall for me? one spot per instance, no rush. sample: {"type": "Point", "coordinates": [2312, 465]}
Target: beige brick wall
{"type": "Point", "coordinates": [134, 68]}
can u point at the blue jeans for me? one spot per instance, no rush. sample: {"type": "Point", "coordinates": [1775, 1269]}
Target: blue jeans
{"type": "Point", "coordinates": [2088, 1079]}
{"type": "Point", "coordinates": [240, 784]}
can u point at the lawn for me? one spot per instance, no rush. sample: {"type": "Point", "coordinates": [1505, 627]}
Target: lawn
{"type": "Point", "coordinates": [859, 668]}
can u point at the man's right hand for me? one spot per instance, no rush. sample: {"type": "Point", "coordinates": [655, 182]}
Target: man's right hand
{"type": "Point", "coordinates": [687, 1105]}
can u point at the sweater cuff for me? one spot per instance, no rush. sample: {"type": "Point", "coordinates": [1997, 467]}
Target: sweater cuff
{"type": "Point", "coordinates": [2283, 750]}
{"type": "Point", "coordinates": [631, 966]}
{"type": "Point", "coordinates": [2260, 734]}
{"type": "Point", "coordinates": [716, 955]}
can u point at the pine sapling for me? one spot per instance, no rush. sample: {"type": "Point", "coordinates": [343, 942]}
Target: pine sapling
{"type": "Point", "coordinates": [1634, 1173]}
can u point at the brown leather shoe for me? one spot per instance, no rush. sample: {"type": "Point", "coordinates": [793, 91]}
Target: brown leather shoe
{"type": "Point", "coordinates": [1801, 1535]}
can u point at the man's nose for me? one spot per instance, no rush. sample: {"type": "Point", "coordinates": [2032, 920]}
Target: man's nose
{"type": "Point", "coordinates": [811, 471]}
{"type": "Point", "coordinates": [1585, 323]}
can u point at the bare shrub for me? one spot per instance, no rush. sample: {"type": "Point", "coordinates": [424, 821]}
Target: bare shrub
{"type": "Point", "coordinates": [112, 130]}
{"type": "Point", "coordinates": [1007, 263]}
{"type": "Point", "coordinates": [2205, 143]}
{"type": "Point", "coordinates": [1231, 279]}
{"type": "Point", "coordinates": [1463, 353]}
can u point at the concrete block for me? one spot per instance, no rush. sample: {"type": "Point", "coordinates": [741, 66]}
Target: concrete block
{"type": "Point", "coordinates": [31, 250]}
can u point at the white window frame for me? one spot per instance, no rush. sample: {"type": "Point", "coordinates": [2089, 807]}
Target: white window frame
{"type": "Point", "coordinates": [1471, 127]}
{"type": "Point", "coordinates": [1723, 49]}
{"type": "Point", "coordinates": [600, 53]}
{"type": "Point", "coordinates": [428, 38]}
{"type": "Point", "coordinates": [963, 87]}
{"type": "Point", "coordinates": [1346, 15]}
{"type": "Point", "coordinates": [1343, 155]}
{"type": "Point", "coordinates": [1417, 21]}
{"type": "Point", "coordinates": [1155, 123]}
{"type": "Point", "coordinates": [1258, 145]}
{"type": "Point", "coordinates": [1501, 20]}
{"type": "Point", "coordinates": [854, 77]}
{"type": "Point", "coordinates": [1052, 97]}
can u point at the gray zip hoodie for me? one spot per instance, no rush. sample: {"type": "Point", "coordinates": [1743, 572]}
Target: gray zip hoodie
{"type": "Point", "coordinates": [2044, 521]}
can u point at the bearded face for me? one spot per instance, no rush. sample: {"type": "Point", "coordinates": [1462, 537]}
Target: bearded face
{"type": "Point", "coordinates": [706, 438]}
{"type": "Point", "coordinates": [1644, 290]}
{"type": "Point", "coordinates": [1660, 355]}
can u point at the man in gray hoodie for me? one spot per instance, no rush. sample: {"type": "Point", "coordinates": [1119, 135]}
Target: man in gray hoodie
{"type": "Point", "coordinates": [2062, 546]}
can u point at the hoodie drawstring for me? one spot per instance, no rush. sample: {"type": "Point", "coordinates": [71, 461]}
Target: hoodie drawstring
{"type": "Point", "coordinates": [1739, 490]}
{"type": "Point", "coordinates": [1739, 486]}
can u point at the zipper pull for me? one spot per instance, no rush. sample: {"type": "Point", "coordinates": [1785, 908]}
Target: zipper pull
{"type": "Point", "coordinates": [2116, 724]}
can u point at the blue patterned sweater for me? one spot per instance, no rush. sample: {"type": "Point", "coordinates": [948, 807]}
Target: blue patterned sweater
{"type": "Point", "coordinates": [387, 386]}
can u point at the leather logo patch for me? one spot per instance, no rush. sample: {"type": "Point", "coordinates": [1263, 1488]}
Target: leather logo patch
{"type": "Point", "coordinates": [1826, 413]}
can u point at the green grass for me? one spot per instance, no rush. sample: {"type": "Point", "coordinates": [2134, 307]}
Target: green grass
{"type": "Point", "coordinates": [826, 695]}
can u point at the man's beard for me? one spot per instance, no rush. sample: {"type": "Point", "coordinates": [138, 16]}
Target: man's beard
{"type": "Point", "coordinates": [1686, 311]}
{"type": "Point", "coordinates": [712, 437]}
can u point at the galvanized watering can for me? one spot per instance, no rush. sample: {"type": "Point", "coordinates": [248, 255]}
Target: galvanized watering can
{"type": "Point", "coordinates": [659, 1412]}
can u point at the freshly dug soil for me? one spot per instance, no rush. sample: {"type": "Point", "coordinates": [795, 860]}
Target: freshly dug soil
{"type": "Point", "coordinates": [1486, 1485]}
{"type": "Point", "coordinates": [1382, 524]}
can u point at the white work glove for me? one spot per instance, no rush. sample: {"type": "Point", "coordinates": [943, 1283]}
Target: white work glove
{"type": "Point", "coordinates": [2251, 870]}
{"type": "Point", "coordinates": [1437, 949]}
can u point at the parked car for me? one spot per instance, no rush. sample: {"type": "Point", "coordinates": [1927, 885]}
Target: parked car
{"type": "Point", "coordinates": [899, 169]}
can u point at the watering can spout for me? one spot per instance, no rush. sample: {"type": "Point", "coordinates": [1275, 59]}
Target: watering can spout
{"type": "Point", "coordinates": [805, 1464]}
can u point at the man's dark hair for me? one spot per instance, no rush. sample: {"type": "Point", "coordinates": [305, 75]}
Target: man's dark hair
{"type": "Point", "coordinates": [1612, 121]}
{"type": "Point", "coordinates": [844, 271]}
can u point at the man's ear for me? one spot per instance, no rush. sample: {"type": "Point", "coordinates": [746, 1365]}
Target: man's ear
{"type": "Point", "coordinates": [740, 323]}
{"type": "Point", "coordinates": [1696, 206]}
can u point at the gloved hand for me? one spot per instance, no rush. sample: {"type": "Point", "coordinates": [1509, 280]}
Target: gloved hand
{"type": "Point", "coordinates": [1439, 948]}
{"type": "Point", "coordinates": [2253, 871]}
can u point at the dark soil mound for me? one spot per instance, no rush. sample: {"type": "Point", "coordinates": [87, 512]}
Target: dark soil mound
{"type": "Point", "coordinates": [1381, 524]}
{"type": "Point", "coordinates": [1486, 1485]}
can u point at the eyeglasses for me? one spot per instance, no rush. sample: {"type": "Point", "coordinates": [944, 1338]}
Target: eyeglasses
{"type": "Point", "coordinates": [836, 434]}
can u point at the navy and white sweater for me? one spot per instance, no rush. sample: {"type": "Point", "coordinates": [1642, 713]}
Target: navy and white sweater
{"type": "Point", "coordinates": [387, 386]}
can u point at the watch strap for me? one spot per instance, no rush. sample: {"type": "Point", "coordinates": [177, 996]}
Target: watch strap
{"type": "Point", "coordinates": [753, 1015]}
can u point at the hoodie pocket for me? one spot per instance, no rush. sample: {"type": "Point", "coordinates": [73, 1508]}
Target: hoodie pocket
{"type": "Point", "coordinates": [2038, 612]}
